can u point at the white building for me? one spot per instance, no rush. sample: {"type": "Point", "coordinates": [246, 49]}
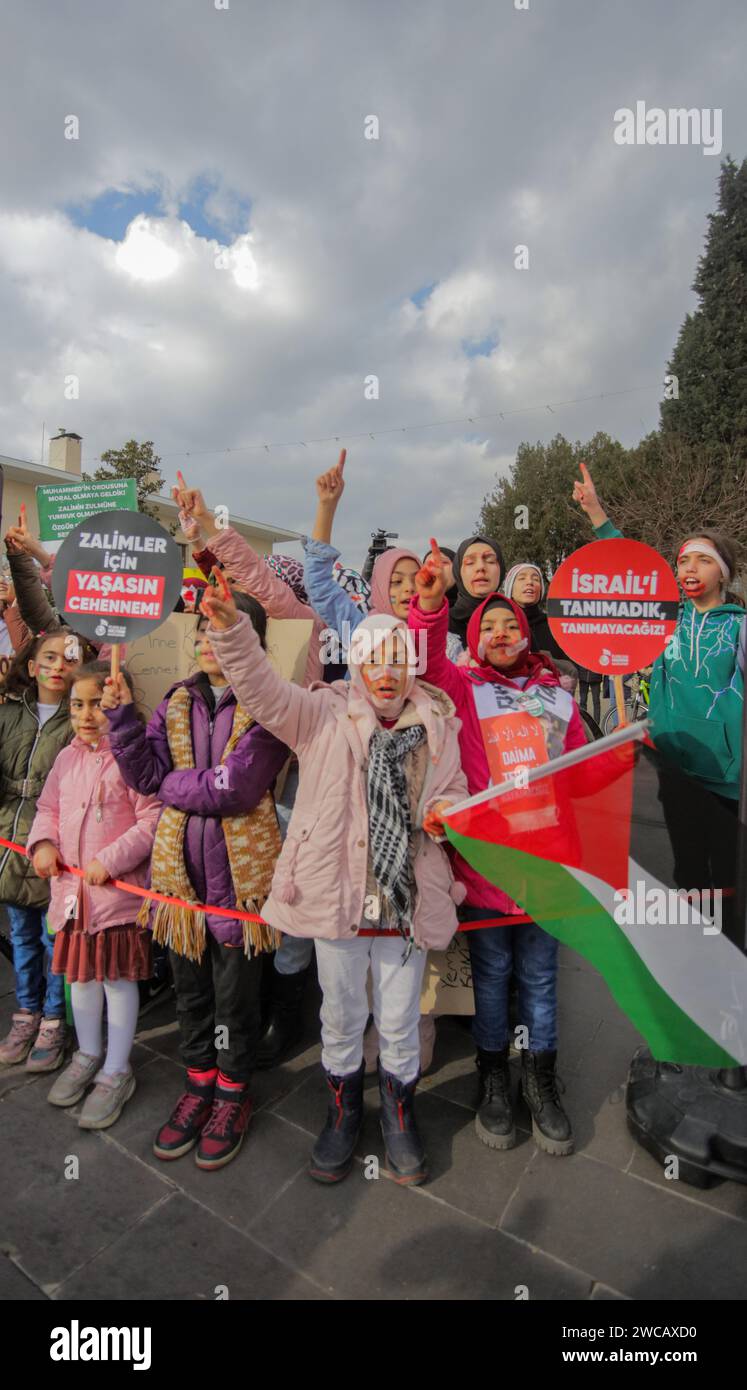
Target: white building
{"type": "Point", "coordinates": [22, 478]}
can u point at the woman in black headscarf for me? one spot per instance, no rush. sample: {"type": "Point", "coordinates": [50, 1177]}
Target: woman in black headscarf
{"type": "Point", "coordinates": [525, 584]}
{"type": "Point", "coordinates": [479, 568]}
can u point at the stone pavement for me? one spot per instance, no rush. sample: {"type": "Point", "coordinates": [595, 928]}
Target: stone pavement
{"type": "Point", "coordinates": [602, 1224]}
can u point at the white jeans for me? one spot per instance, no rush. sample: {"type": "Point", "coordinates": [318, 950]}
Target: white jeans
{"type": "Point", "coordinates": [343, 970]}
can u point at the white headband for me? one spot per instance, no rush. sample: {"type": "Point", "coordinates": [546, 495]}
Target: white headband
{"type": "Point", "coordinates": [695, 548]}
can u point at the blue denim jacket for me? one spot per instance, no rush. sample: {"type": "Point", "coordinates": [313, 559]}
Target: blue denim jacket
{"type": "Point", "coordinates": [326, 596]}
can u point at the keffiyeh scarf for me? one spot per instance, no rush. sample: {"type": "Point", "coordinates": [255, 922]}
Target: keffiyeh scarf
{"type": "Point", "coordinates": [390, 823]}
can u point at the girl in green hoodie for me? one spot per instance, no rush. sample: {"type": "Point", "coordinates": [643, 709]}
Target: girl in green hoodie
{"type": "Point", "coordinates": [697, 695]}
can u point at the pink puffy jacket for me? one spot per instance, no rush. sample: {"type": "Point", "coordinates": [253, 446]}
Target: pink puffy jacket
{"type": "Point", "coordinates": [278, 600]}
{"type": "Point", "coordinates": [86, 810]}
{"type": "Point", "coordinates": [319, 885]}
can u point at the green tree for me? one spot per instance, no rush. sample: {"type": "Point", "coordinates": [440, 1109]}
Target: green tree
{"type": "Point", "coordinates": [531, 513]}
{"type": "Point", "coordinates": [669, 486]}
{"type": "Point", "coordinates": [710, 358]}
{"type": "Point", "coordinates": [136, 461]}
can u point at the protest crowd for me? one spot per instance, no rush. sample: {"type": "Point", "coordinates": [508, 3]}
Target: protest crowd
{"type": "Point", "coordinates": [272, 821]}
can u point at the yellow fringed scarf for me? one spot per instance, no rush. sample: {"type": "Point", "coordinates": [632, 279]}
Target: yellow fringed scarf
{"type": "Point", "coordinates": [252, 840]}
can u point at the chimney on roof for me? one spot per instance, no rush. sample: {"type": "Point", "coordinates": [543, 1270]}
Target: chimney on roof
{"type": "Point", "coordinates": [64, 452]}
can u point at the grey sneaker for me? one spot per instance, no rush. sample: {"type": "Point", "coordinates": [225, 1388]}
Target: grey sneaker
{"type": "Point", "coordinates": [48, 1052]}
{"type": "Point", "coordinates": [20, 1040]}
{"type": "Point", "coordinates": [74, 1081]}
{"type": "Point", "coordinates": [107, 1100]}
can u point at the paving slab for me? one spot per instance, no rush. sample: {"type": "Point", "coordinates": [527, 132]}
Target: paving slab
{"type": "Point", "coordinates": [181, 1251]}
{"type": "Point", "coordinates": [370, 1239]}
{"type": "Point", "coordinates": [14, 1284]}
{"type": "Point", "coordinates": [52, 1223]}
{"type": "Point", "coordinates": [625, 1233]}
{"type": "Point", "coordinates": [464, 1172]}
{"type": "Point", "coordinates": [728, 1197]}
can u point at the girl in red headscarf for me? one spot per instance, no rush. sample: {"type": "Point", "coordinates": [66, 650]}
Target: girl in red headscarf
{"type": "Point", "coordinates": [514, 713]}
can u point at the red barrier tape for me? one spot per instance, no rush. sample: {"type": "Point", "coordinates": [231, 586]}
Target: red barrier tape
{"type": "Point", "coordinates": [235, 913]}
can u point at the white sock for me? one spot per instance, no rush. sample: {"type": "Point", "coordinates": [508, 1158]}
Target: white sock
{"type": "Point", "coordinates": [122, 1004]}
{"type": "Point", "coordinates": [88, 1011]}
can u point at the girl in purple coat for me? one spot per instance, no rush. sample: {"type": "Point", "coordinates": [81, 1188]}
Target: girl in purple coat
{"type": "Point", "coordinates": [217, 841]}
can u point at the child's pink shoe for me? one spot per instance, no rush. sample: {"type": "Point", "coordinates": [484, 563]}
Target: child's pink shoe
{"type": "Point", "coordinates": [107, 1100]}
{"type": "Point", "coordinates": [20, 1040]}
{"type": "Point", "coordinates": [48, 1051]}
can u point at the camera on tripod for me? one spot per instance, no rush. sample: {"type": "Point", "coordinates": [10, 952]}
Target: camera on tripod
{"type": "Point", "coordinates": [377, 547]}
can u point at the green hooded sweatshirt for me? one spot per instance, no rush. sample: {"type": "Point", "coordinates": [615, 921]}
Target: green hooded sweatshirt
{"type": "Point", "coordinates": [697, 692]}
{"type": "Point", "coordinates": [27, 752]}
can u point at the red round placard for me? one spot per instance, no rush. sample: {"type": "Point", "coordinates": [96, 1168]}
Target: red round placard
{"type": "Point", "coordinates": [612, 606]}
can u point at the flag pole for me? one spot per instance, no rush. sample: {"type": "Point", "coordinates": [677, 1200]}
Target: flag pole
{"type": "Point", "coordinates": [627, 734]}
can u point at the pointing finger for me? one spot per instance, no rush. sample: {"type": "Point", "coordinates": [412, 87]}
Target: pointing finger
{"type": "Point", "coordinates": [341, 461]}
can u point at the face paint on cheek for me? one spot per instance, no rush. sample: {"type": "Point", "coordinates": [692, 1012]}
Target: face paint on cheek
{"type": "Point", "coordinates": [377, 673]}
{"type": "Point", "coordinates": [511, 650]}
{"type": "Point", "coordinates": [696, 587]}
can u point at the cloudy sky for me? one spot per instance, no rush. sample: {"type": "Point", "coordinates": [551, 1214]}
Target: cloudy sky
{"type": "Point", "coordinates": [222, 258]}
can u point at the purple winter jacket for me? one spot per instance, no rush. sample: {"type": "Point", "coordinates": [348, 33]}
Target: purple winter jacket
{"type": "Point", "coordinates": [144, 760]}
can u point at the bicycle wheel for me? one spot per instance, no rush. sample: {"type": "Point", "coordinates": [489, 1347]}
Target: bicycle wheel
{"type": "Point", "coordinates": [610, 721]}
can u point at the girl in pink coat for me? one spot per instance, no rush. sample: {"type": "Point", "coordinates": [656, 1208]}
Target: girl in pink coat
{"type": "Point", "coordinates": [88, 818]}
{"type": "Point", "coordinates": [378, 761]}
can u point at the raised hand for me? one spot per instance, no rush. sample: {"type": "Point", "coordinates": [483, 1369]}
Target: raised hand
{"type": "Point", "coordinates": [331, 485]}
{"type": "Point", "coordinates": [19, 539]}
{"type": "Point", "coordinates": [329, 489]}
{"type": "Point", "coordinates": [585, 494]}
{"type": "Point", "coordinates": [191, 528]}
{"type": "Point", "coordinates": [218, 604]}
{"type": "Point", "coordinates": [116, 692]}
{"type": "Point", "coordinates": [430, 580]}
{"type": "Point", "coordinates": [191, 501]}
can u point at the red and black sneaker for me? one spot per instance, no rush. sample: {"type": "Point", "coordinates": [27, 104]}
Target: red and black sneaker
{"type": "Point", "coordinates": [224, 1132]}
{"type": "Point", "coordinates": [186, 1121]}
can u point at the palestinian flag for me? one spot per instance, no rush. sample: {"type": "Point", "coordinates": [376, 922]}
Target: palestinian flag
{"type": "Point", "coordinates": [600, 850]}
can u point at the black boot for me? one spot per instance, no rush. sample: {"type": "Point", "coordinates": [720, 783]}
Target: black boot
{"type": "Point", "coordinates": [285, 1023]}
{"type": "Point", "coordinates": [404, 1147]}
{"type": "Point", "coordinates": [550, 1124]}
{"type": "Point", "coordinates": [494, 1120]}
{"type": "Point", "coordinates": [332, 1155]}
